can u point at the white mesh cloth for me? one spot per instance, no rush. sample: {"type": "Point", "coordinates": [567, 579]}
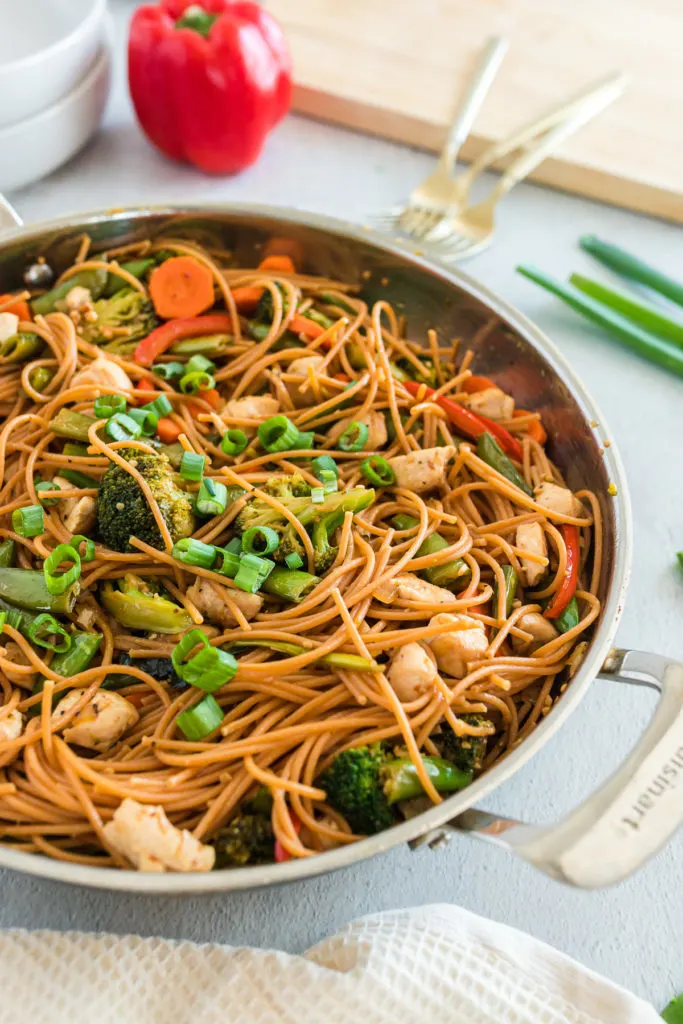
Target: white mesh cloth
{"type": "Point", "coordinates": [401, 967]}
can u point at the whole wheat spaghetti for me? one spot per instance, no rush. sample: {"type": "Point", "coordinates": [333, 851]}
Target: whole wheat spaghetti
{"type": "Point", "coordinates": [311, 569]}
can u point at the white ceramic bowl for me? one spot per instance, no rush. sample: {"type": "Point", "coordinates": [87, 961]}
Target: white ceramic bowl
{"type": "Point", "coordinates": [46, 47]}
{"type": "Point", "coordinates": [39, 145]}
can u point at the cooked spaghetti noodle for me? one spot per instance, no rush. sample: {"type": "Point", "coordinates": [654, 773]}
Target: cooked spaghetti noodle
{"type": "Point", "coordinates": [452, 600]}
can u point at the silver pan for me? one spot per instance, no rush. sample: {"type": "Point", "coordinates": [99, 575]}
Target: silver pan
{"type": "Point", "coordinates": [636, 811]}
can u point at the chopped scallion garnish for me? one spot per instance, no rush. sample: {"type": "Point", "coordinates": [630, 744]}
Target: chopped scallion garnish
{"type": "Point", "coordinates": [192, 466]}
{"type": "Point", "coordinates": [28, 521]}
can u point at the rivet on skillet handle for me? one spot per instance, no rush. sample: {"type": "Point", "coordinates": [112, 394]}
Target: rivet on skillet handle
{"type": "Point", "coordinates": [629, 818]}
{"type": "Point", "coordinates": [9, 218]}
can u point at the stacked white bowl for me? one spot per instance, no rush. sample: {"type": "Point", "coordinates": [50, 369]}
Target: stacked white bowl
{"type": "Point", "coordinates": [54, 82]}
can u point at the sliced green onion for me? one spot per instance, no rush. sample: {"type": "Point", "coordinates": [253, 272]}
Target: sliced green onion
{"type": "Point", "coordinates": [317, 495]}
{"type": "Point", "coordinates": [194, 552]}
{"type": "Point", "coordinates": [45, 631]}
{"type": "Point", "coordinates": [168, 371]}
{"type": "Point", "coordinates": [234, 442]}
{"type": "Point", "coordinates": [208, 670]}
{"type": "Point", "coordinates": [121, 427]}
{"type": "Point", "coordinates": [146, 420]}
{"type": "Point", "coordinates": [161, 406]}
{"type": "Point", "coordinates": [212, 499]}
{"type": "Point", "coordinates": [47, 485]}
{"type": "Point", "coordinates": [191, 383]}
{"type": "Point", "coordinates": [230, 563]}
{"type": "Point", "coordinates": [76, 542]}
{"type": "Point", "coordinates": [192, 466]}
{"type": "Point", "coordinates": [329, 481]}
{"type": "Point", "coordinates": [305, 440]}
{"type": "Point", "coordinates": [252, 572]}
{"type": "Point", "coordinates": [199, 364]}
{"type": "Point", "coordinates": [260, 540]}
{"type": "Point", "coordinates": [354, 437]}
{"type": "Point", "coordinates": [28, 521]}
{"type": "Point", "coordinates": [78, 479]}
{"type": "Point", "coordinates": [234, 545]}
{"type": "Point", "coordinates": [378, 471]}
{"type": "Point", "coordinates": [58, 583]}
{"type": "Point", "coordinates": [13, 618]}
{"type": "Point", "coordinates": [324, 464]}
{"type": "Point", "coordinates": [200, 721]}
{"type": "Point", "coordinates": [3, 619]}
{"type": "Point", "coordinates": [278, 434]}
{"type": "Point", "coordinates": [294, 560]}
{"type": "Point", "coordinates": [106, 405]}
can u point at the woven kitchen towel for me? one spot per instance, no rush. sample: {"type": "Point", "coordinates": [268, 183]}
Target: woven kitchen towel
{"type": "Point", "coordinates": [435, 963]}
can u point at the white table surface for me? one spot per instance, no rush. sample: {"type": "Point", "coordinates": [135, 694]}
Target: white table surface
{"type": "Point", "coordinates": [630, 933]}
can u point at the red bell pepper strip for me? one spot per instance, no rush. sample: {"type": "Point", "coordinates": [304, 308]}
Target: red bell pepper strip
{"type": "Point", "coordinates": [151, 347]}
{"type": "Point", "coordinates": [562, 597]}
{"type": "Point", "coordinates": [467, 422]}
{"type": "Point", "coordinates": [281, 854]}
{"type": "Point", "coordinates": [208, 79]}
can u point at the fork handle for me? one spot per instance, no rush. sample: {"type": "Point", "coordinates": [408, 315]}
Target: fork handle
{"type": "Point", "coordinates": [477, 89]}
{"type": "Point", "coordinates": [548, 143]}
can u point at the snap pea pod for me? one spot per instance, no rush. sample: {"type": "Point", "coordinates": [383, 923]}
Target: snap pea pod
{"type": "Point", "coordinates": [21, 347]}
{"type": "Point", "coordinates": [445, 575]}
{"type": "Point", "coordinates": [337, 659]}
{"type": "Point", "coordinates": [211, 344]}
{"type": "Point", "coordinates": [289, 584]}
{"type": "Point", "coordinates": [40, 377]}
{"type": "Point", "coordinates": [84, 647]}
{"type": "Point", "coordinates": [74, 425]}
{"type": "Point", "coordinates": [138, 268]}
{"type": "Point", "coordinates": [78, 479]}
{"type": "Point", "coordinates": [490, 452]}
{"type": "Point", "coordinates": [26, 588]}
{"type": "Point", "coordinates": [402, 782]}
{"type": "Point", "coordinates": [153, 614]}
{"type": "Point", "coordinates": [569, 617]}
{"type": "Point", "coordinates": [49, 632]}
{"type": "Point", "coordinates": [8, 550]}
{"type": "Point", "coordinates": [511, 585]}
{"type": "Point", "coordinates": [94, 280]}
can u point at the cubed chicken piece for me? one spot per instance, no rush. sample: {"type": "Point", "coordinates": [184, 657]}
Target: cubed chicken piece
{"type": "Point", "coordinates": [102, 373]}
{"type": "Point", "coordinates": [9, 325]}
{"type": "Point", "coordinates": [576, 657]}
{"type": "Point", "coordinates": [492, 403]}
{"type": "Point", "coordinates": [100, 724]}
{"type": "Point", "coordinates": [210, 599]}
{"type": "Point", "coordinates": [409, 587]}
{"type": "Point", "coordinates": [531, 537]}
{"type": "Point", "coordinates": [377, 430]}
{"type": "Point", "coordinates": [541, 629]}
{"type": "Point", "coordinates": [463, 640]}
{"type": "Point", "coordinates": [559, 499]}
{"type": "Point", "coordinates": [423, 470]}
{"type": "Point", "coordinates": [145, 836]}
{"type": "Point", "coordinates": [79, 514]}
{"type": "Point", "coordinates": [412, 671]}
{"type": "Point", "coordinates": [252, 407]}
{"type": "Point", "coordinates": [11, 725]}
{"type": "Point", "coordinates": [78, 298]}
{"type": "Point", "coordinates": [301, 367]}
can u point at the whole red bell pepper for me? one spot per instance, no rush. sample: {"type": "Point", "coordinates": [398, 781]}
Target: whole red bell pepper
{"type": "Point", "coordinates": [208, 80]}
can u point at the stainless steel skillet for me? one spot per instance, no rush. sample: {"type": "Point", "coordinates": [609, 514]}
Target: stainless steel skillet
{"type": "Point", "coordinates": [632, 815]}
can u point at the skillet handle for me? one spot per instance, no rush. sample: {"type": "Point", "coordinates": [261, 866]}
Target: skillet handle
{"type": "Point", "coordinates": [9, 218]}
{"type": "Point", "coordinates": [631, 816]}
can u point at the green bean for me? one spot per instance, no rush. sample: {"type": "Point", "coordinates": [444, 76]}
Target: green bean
{"type": "Point", "coordinates": [94, 280]}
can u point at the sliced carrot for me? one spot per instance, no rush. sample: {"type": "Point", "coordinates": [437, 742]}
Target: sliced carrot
{"type": "Point", "coordinates": [282, 263]}
{"type": "Point", "coordinates": [181, 287]}
{"type": "Point", "coordinates": [19, 308]}
{"type": "Point", "coordinates": [309, 328]}
{"type": "Point", "coordinates": [210, 395]}
{"type": "Point", "coordinates": [474, 384]}
{"type": "Point", "coordinates": [535, 428]}
{"type": "Point", "coordinates": [247, 298]}
{"type": "Point", "coordinates": [168, 430]}
{"type": "Point", "coordinates": [281, 246]}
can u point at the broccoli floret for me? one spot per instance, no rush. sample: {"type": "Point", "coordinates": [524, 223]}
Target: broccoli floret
{"type": "Point", "coordinates": [127, 309]}
{"type": "Point", "coordinates": [364, 783]}
{"type": "Point", "coordinates": [295, 493]}
{"type": "Point", "coordinates": [122, 509]}
{"type": "Point", "coordinates": [467, 752]}
{"type": "Point", "coordinates": [325, 553]}
{"type": "Point", "coordinates": [247, 839]}
{"type": "Point", "coordinates": [290, 543]}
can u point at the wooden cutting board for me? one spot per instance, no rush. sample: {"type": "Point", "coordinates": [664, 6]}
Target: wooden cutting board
{"type": "Point", "coordinates": [396, 68]}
